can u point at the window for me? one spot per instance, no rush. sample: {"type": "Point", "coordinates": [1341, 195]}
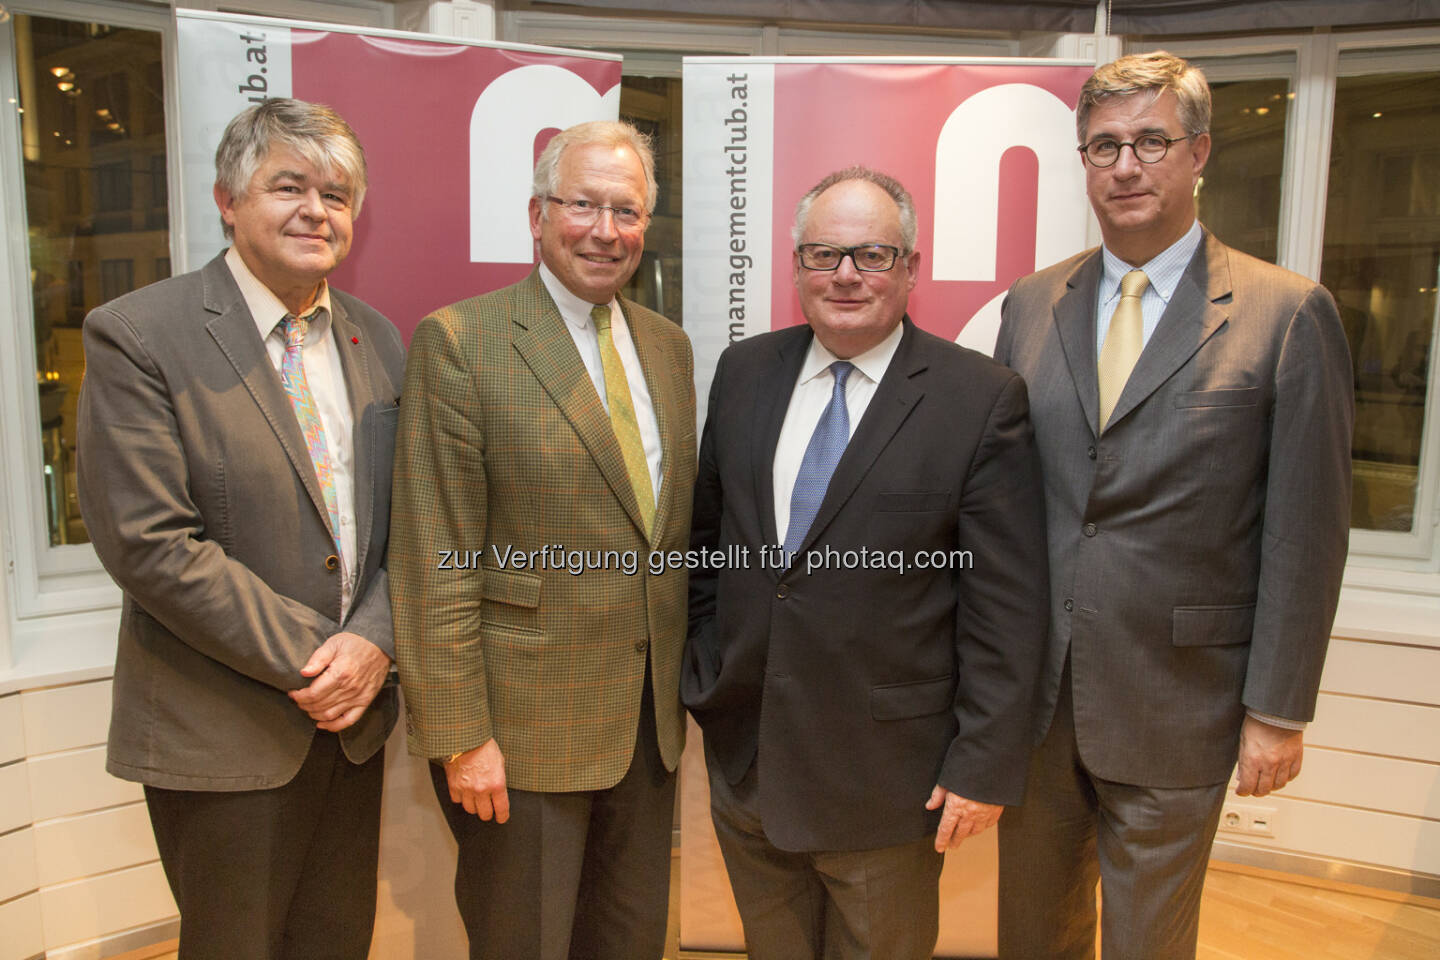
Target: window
{"type": "Point", "coordinates": [1357, 157]}
{"type": "Point", "coordinates": [1381, 258]}
{"type": "Point", "coordinates": [1239, 196]}
{"type": "Point", "coordinates": [75, 231]}
{"type": "Point", "coordinates": [117, 277]}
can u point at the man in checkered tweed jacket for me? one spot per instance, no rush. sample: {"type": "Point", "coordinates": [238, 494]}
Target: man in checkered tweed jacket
{"type": "Point", "coordinates": [546, 450]}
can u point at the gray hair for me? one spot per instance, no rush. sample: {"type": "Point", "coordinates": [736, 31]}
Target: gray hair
{"type": "Point", "coordinates": [605, 133]}
{"type": "Point", "coordinates": [313, 130]}
{"type": "Point", "coordinates": [884, 181]}
{"type": "Point", "coordinates": [1153, 72]}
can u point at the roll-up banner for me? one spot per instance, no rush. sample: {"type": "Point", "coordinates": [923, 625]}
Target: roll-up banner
{"type": "Point", "coordinates": [451, 129]}
{"type": "Point", "coordinates": [985, 147]}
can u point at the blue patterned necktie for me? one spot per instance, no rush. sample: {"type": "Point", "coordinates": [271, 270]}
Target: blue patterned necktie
{"type": "Point", "coordinates": [826, 446]}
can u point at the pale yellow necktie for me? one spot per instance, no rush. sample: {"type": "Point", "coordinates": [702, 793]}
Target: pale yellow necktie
{"type": "Point", "coordinates": [1123, 342]}
{"type": "Point", "coordinates": [622, 417]}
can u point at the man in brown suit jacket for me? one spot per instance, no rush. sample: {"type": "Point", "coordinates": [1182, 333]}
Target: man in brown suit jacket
{"type": "Point", "coordinates": [547, 446]}
{"type": "Point", "coordinates": [251, 695]}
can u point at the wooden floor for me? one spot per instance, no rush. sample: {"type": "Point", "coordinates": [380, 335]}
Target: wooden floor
{"type": "Point", "coordinates": [1251, 914]}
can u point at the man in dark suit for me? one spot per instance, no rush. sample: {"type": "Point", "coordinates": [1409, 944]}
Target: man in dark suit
{"type": "Point", "coordinates": [865, 688]}
{"type": "Point", "coordinates": [234, 466]}
{"type": "Point", "coordinates": [1198, 499]}
{"type": "Point", "coordinates": [549, 440]}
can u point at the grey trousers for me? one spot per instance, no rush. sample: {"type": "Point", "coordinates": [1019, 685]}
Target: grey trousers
{"type": "Point", "coordinates": [878, 904]}
{"type": "Point", "coordinates": [1148, 847]}
{"type": "Point", "coordinates": [581, 875]}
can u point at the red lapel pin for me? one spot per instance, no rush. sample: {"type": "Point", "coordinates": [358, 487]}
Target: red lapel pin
{"type": "Point", "coordinates": [355, 340]}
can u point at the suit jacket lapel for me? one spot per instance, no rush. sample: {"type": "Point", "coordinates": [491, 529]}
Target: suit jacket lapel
{"type": "Point", "coordinates": [771, 404]}
{"type": "Point", "coordinates": [895, 397]}
{"type": "Point", "coordinates": [355, 362]}
{"type": "Point", "coordinates": [546, 345]}
{"type": "Point", "coordinates": [1074, 315]}
{"type": "Point", "coordinates": [1191, 318]}
{"type": "Point", "coordinates": [234, 332]}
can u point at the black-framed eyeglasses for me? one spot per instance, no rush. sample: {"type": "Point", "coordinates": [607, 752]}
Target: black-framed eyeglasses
{"type": "Point", "coordinates": [1148, 148]}
{"type": "Point", "coordinates": [588, 211]}
{"type": "Point", "coordinates": [867, 257]}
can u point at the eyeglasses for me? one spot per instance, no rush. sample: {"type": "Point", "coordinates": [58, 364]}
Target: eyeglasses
{"type": "Point", "coordinates": [868, 257]}
{"type": "Point", "coordinates": [588, 211]}
{"type": "Point", "coordinates": [1149, 148]}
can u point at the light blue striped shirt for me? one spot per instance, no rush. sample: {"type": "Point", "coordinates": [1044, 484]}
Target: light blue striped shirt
{"type": "Point", "coordinates": [1164, 271]}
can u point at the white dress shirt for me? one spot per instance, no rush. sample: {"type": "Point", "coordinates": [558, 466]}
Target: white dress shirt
{"type": "Point", "coordinates": [808, 402]}
{"type": "Point", "coordinates": [576, 313]}
{"type": "Point", "coordinates": [326, 380]}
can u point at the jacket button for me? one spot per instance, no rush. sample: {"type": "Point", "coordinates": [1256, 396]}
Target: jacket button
{"type": "Point", "coordinates": [332, 562]}
{"type": "Point", "coordinates": [639, 646]}
{"type": "Point", "coordinates": [782, 591]}
{"type": "Point", "coordinates": [1069, 604]}
{"type": "Point", "coordinates": [1089, 529]}
{"type": "Point", "coordinates": [1090, 453]}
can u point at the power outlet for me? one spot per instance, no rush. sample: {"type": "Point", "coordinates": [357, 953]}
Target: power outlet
{"type": "Point", "coordinates": [1248, 819]}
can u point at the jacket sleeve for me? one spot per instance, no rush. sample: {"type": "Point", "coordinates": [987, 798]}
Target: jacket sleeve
{"type": "Point", "coordinates": [1307, 513]}
{"type": "Point", "coordinates": [439, 504]}
{"type": "Point", "coordinates": [150, 535]}
{"type": "Point", "coordinates": [1002, 614]}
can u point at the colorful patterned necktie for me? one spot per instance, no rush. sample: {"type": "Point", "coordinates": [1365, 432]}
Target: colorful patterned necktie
{"type": "Point", "coordinates": [292, 375]}
{"type": "Point", "coordinates": [826, 446]}
{"type": "Point", "coordinates": [622, 417]}
{"type": "Point", "coordinates": [1123, 342]}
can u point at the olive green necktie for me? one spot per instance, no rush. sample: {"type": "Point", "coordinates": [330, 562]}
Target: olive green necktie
{"type": "Point", "coordinates": [1123, 342]}
{"type": "Point", "coordinates": [622, 417]}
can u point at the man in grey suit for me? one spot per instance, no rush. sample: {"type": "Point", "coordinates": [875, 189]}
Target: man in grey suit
{"type": "Point", "coordinates": [1193, 411]}
{"type": "Point", "coordinates": [865, 698]}
{"type": "Point", "coordinates": [236, 432]}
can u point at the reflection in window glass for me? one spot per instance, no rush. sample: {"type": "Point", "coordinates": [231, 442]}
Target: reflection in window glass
{"type": "Point", "coordinates": [1382, 251]}
{"type": "Point", "coordinates": [1239, 196]}
{"type": "Point", "coordinates": [93, 136]}
{"type": "Point", "coordinates": [653, 105]}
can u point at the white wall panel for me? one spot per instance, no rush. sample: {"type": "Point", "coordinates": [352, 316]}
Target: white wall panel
{"type": "Point", "coordinates": [74, 847]}
{"type": "Point", "coordinates": [62, 718]}
{"type": "Point", "coordinates": [1375, 783]}
{"type": "Point", "coordinates": [12, 736]}
{"type": "Point", "coordinates": [1360, 836]}
{"type": "Point", "coordinates": [21, 933]}
{"type": "Point", "coordinates": [1376, 726]}
{"type": "Point", "coordinates": [100, 905]}
{"type": "Point", "coordinates": [14, 797]}
{"type": "Point", "coordinates": [17, 854]}
{"type": "Point", "coordinates": [1388, 671]}
{"type": "Point", "coordinates": [66, 783]}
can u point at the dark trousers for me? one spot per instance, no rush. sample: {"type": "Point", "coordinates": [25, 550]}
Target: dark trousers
{"type": "Point", "coordinates": [581, 875]}
{"type": "Point", "coordinates": [1148, 847]}
{"type": "Point", "coordinates": [280, 874]}
{"type": "Point", "coordinates": [880, 904]}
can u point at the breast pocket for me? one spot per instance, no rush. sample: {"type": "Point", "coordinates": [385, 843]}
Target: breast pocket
{"type": "Point", "coordinates": [1223, 397]}
{"type": "Point", "coordinates": [908, 520]}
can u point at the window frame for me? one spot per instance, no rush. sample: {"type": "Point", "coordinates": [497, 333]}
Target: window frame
{"type": "Point", "coordinates": [1320, 60]}
{"type": "Point", "coordinates": [45, 580]}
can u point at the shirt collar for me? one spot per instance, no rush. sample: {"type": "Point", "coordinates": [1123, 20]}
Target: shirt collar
{"type": "Point", "coordinates": [872, 363]}
{"type": "Point", "coordinates": [265, 308]}
{"type": "Point", "coordinates": [1164, 270]}
{"type": "Point", "coordinates": [573, 310]}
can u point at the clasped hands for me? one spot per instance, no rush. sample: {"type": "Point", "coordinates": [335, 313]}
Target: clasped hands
{"type": "Point", "coordinates": [347, 671]}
